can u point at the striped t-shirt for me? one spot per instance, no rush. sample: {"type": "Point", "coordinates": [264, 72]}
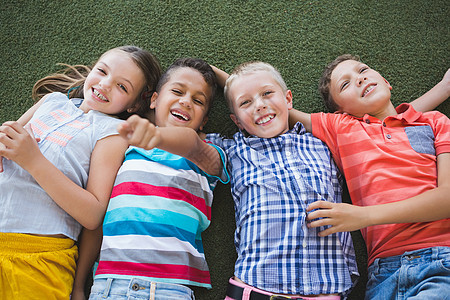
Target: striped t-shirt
{"type": "Point", "coordinates": [159, 206]}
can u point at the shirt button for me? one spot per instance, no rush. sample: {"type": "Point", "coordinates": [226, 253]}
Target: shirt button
{"type": "Point", "coordinates": [288, 153]}
{"type": "Point", "coordinates": [304, 244]}
{"type": "Point", "coordinates": [135, 287]}
{"type": "Point", "coordinates": [367, 121]}
{"type": "Point", "coordinates": [388, 136]}
{"type": "Point", "coordinates": [384, 124]}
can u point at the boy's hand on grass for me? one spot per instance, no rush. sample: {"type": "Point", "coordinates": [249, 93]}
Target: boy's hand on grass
{"type": "Point", "coordinates": [140, 132]}
{"type": "Point", "coordinates": [340, 216]}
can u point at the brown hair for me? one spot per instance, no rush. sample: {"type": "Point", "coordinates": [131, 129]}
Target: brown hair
{"type": "Point", "coordinates": [324, 82]}
{"type": "Point", "coordinates": [72, 78]}
{"type": "Point", "coordinates": [197, 64]}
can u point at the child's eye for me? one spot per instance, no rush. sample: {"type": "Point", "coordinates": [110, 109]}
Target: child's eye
{"type": "Point", "coordinates": [266, 93]}
{"type": "Point", "coordinates": [245, 102]}
{"type": "Point", "coordinates": [363, 69]}
{"type": "Point", "coordinates": [177, 92]}
{"type": "Point", "coordinates": [123, 87]}
{"type": "Point", "coordinates": [344, 85]}
{"type": "Point", "coordinates": [101, 70]}
{"type": "Point", "coordinates": [197, 101]}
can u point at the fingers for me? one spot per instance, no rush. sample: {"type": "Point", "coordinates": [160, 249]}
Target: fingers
{"type": "Point", "coordinates": [9, 132]}
{"type": "Point", "coordinates": [11, 129]}
{"type": "Point", "coordinates": [138, 131]}
{"type": "Point", "coordinates": [2, 147]}
{"type": "Point", "coordinates": [319, 215]}
{"type": "Point", "coordinates": [124, 130]}
{"type": "Point", "coordinates": [319, 205]}
{"type": "Point", "coordinates": [328, 231]}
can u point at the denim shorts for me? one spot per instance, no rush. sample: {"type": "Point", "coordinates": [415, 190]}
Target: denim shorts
{"type": "Point", "coordinates": [138, 289]}
{"type": "Point", "coordinates": [420, 274]}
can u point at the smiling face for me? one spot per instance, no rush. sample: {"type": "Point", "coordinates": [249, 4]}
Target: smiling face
{"type": "Point", "coordinates": [359, 90]}
{"type": "Point", "coordinates": [114, 84]}
{"type": "Point", "coordinates": [183, 100]}
{"type": "Point", "coordinates": [260, 105]}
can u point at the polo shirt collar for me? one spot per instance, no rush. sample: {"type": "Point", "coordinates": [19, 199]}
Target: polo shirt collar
{"type": "Point", "coordinates": [405, 111]}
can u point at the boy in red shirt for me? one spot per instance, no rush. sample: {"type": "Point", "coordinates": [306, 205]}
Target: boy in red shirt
{"type": "Point", "coordinates": [396, 162]}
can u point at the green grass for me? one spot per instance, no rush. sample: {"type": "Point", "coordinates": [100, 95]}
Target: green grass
{"type": "Point", "coordinates": [407, 41]}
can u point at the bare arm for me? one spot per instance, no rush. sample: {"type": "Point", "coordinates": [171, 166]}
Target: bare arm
{"type": "Point", "coordinates": [438, 94]}
{"type": "Point", "coordinates": [429, 206]}
{"type": "Point", "coordinates": [220, 75]}
{"type": "Point", "coordinates": [181, 141]}
{"type": "Point", "coordinates": [299, 116]}
{"type": "Point", "coordinates": [88, 251]}
{"type": "Point", "coordinates": [30, 112]}
{"type": "Point", "coordinates": [86, 206]}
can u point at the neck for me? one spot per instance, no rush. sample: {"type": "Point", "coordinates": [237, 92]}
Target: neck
{"type": "Point", "coordinates": [387, 111]}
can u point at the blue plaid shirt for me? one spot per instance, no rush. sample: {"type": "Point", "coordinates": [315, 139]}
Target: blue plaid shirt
{"type": "Point", "coordinates": [272, 182]}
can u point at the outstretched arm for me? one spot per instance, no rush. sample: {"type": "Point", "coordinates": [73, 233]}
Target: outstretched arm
{"type": "Point", "coordinates": [87, 206]}
{"type": "Point", "coordinates": [302, 117]}
{"type": "Point", "coordinates": [89, 248]}
{"type": "Point", "coordinates": [181, 141]}
{"type": "Point", "coordinates": [429, 206]}
{"type": "Point", "coordinates": [438, 94]}
{"type": "Point", "coordinates": [221, 76]}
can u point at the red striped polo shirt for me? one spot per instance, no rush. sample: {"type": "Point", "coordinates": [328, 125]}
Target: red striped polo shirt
{"type": "Point", "coordinates": [387, 161]}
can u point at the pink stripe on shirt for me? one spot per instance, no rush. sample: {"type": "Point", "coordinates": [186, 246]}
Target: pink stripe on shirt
{"type": "Point", "coordinates": [141, 189]}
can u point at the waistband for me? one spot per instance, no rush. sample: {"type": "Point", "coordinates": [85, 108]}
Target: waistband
{"type": "Point", "coordinates": [241, 291]}
{"type": "Point", "coordinates": [413, 257]}
{"type": "Point", "coordinates": [140, 288]}
{"type": "Point", "coordinates": [26, 243]}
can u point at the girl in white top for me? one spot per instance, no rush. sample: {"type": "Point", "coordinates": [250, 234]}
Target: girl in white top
{"type": "Point", "coordinates": [45, 194]}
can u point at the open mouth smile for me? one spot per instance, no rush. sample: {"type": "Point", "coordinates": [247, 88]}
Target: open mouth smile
{"type": "Point", "coordinates": [368, 89]}
{"type": "Point", "coordinates": [265, 119]}
{"type": "Point", "coordinates": [99, 95]}
{"type": "Point", "coordinates": [180, 115]}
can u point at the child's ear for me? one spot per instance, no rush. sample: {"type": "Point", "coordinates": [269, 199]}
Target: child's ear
{"type": "Point", "coordinates": [236, 121]}
{"type": "Point", "coordinates": [205, 120]}
{"type": "Point", "coordinates": [133, 109]}
{"type": "Point", "coordinates": [289, 99]}
{"type": "Point", "coordinates": [153, 100]}
{"type": "Point", "coordinates": [389, 85]}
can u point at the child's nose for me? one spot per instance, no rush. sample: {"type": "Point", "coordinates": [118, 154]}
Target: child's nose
{"type": "Point", "coordinates": [361, 79]}
{"type": "Point", "coordinates": [185, 101]}
{"type": "Point", "coordinates": [260, 104]}
{"type": "Point", "coordinates": [105, 83]}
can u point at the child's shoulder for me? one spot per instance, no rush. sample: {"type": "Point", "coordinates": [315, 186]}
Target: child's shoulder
{"type": "Point", "coordinates": [333, 119]}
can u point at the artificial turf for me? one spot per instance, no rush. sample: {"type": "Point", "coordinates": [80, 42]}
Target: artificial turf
{"type": "Point", "coordinates": [406, 41]}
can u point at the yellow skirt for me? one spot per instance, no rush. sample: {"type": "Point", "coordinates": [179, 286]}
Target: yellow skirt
{"type": "Point", "coordinates": [34, 267]}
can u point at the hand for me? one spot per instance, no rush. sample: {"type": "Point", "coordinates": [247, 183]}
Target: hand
{"type": "Point", "coordinates": [340, 216]}
{"type": "Point", "coordinates": [2, 147]}
{"type": "Point", "coordinates": [140, 132]}
{"type": "Point", "coordinates": [19, 144]}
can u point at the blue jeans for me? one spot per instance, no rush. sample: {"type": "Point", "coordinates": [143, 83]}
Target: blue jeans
{"type": "Point", "coordinates": [420, 274]}
{"type": "Point", "coordinates": [138, 289]}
